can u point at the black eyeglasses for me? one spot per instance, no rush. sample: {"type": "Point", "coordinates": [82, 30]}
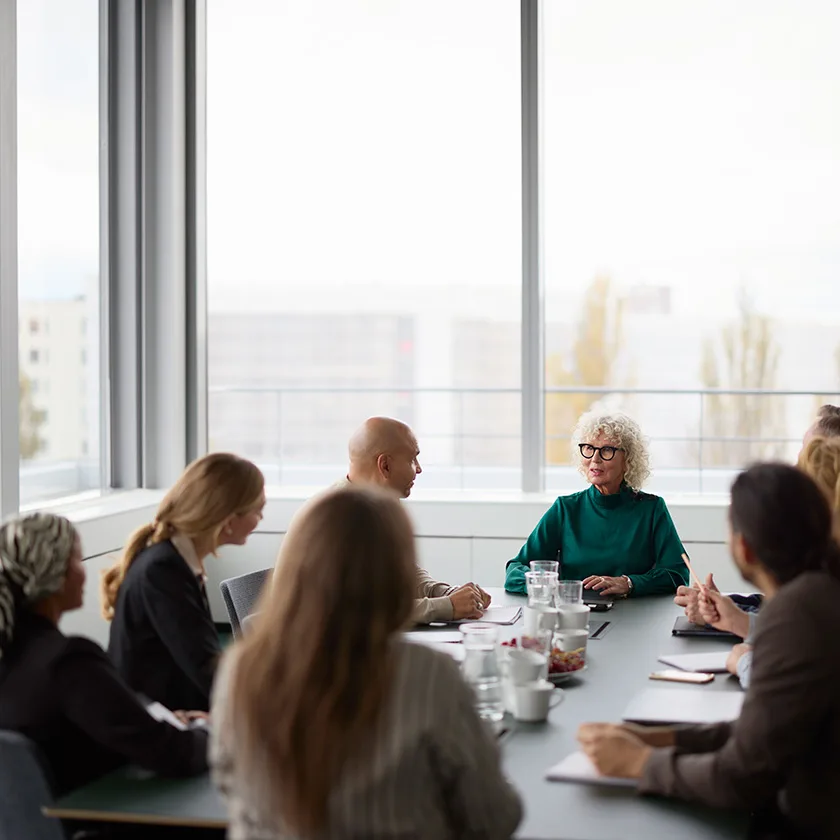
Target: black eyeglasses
{"type": "Point", "coordinates": [607, 452]}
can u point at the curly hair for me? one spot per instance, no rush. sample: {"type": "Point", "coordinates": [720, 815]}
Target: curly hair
{"type": "Point", "coordinates": [622, 431]}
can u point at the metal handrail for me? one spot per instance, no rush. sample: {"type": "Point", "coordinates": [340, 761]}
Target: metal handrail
{"type": "Point", "coordinates": [581, 389]}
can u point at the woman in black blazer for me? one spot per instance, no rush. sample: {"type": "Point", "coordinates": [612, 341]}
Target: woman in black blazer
{"type": "Point", "coordinates": [163, 640]}
{"type": "Point", "coordinates": [63, 692]}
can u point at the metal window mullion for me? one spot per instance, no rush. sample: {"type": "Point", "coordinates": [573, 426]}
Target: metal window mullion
{"type": "Point", "coordinates": [121, 255]}
{"type": "Point", "coordinates": [533, 322]}
{"type": "Point", "coordinates": [196, 206]}
{"type": "Point", "coordinates": [164, 230]}
{"type": "Point", "coordinates": [9, 372]}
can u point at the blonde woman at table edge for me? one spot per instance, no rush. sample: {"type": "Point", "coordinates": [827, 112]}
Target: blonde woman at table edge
{"type": "Point", "coordinates": [781, 758]}
{"type": "Point", "coordinates": [327, 722]}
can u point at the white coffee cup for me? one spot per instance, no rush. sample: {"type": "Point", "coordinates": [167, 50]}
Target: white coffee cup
{"type": "Point", "coordinates": [532, 701]}
{"type": "Point", "coordinates": [525, 666]}
{"type": "Point", "coordinates": [571, 640]}
{"type": "Point", "coordinates": [573, 617]}
{"type": "Point", "coordinates": [539, 620]}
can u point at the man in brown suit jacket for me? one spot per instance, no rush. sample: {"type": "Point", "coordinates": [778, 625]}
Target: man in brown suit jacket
{"type": "Point", "coordinates": [783, 753]}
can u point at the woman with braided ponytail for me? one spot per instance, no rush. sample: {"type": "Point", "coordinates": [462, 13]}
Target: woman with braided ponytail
{"type": "Point", "coordinates": [63, 692]}
{"type": "Point", "coordinates": [163, 640]}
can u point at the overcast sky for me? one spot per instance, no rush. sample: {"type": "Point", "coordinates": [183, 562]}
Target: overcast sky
{"type": "Point", "coordinates": [693, 144]}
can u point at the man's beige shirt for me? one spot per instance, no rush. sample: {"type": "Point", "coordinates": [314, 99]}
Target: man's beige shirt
{"type": "Point", "coordinates": [433, 603]}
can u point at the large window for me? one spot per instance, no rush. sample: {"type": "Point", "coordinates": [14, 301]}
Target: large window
{"type": "Point", "coordinates": [58, 247]}
{"type": "Point", "coordinates": [364, 232]}
{"type": "Point", "coordinates": [692, 227]}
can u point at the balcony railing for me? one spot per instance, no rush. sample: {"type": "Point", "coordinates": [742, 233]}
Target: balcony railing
{"type": "Point", "coordinates": [470, 437]}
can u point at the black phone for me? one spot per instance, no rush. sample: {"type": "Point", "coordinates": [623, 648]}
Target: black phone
{"type": "Point", "coordinates": [604, 606]}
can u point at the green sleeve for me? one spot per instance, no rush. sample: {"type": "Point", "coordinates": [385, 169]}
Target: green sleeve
{"type": "Point", "coordinates": [668, 570]}
{"type": "Point", "coordinates": [543, 544]}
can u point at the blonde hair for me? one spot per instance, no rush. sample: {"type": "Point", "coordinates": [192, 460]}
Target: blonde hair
{"type": "Point", "coordinates": [820, 459]}
{"type": "Point", "coordinates": [209, 492]}
{"type": "Point", "coordinates": [828, 421]}
{"type": "Point", "coordinates": [311, 679]}
{"type": "Point", "coordinates": [618, 429]}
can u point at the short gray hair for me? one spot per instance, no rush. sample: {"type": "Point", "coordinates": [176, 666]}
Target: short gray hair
{"type": "Point", "coordinates": [621, 430]}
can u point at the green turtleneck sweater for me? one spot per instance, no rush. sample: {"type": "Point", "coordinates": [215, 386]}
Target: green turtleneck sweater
{"type": "Point", "coordinates": [628, 533]}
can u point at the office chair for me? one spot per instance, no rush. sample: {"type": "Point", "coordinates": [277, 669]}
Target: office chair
{"type": "Point", "coordinates": [240, 594]}
{"type": "Point", "coordinates": [24, 791]}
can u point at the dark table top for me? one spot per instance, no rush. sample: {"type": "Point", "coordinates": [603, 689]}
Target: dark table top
{"type": "Point", "coordinates": [619, 664]}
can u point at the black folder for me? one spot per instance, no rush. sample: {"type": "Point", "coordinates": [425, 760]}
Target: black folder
{"type": "Point", "coordinates": [683, 627]}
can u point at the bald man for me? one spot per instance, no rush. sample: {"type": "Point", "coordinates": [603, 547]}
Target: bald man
{"type": "Point", "coordinates": [384, 452]}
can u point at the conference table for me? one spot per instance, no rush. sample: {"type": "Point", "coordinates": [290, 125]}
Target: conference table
{"type": "Point", "coordinates": [619, 663]}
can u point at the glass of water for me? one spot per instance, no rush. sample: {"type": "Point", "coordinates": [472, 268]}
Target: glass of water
{"type": "Point", "coordinates": [545, 566]}
{"type": "Point", "coordinates": [569, 592]}
{"type": "Point", "coordinates": [541, 588]}
{"type": "Point", "coordinates": [481, 670]}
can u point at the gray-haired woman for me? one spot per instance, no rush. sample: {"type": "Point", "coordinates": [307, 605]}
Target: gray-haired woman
{"type": "Point", "coordinates": [618, 540]}
{"type": "Point", "coordinates": [63, 692]}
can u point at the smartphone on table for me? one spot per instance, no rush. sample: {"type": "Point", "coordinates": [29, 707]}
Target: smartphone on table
{"type": "Point", "coordinates": [682, 676]}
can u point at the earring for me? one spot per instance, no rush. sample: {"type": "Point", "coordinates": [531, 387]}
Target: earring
{"type": "Point", "coordinates": [228, 529]}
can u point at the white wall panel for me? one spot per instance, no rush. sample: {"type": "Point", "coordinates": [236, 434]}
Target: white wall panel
{"type": "Point", "coordinates": [489, 557]}
{"type": "Point", "coordinates": [260, 552]}
{"type": "Point", "coordinates": [458, 540]}
{"type": "Point", "coordinates": [446, 560]}
{"type": "Point", "coordinates": [714, 558]}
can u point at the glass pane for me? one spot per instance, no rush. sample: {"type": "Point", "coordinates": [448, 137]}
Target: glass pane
{"type": "Point", "coordinates": [364, 233]}
{"type": "Point", "coordinates": [58, 247]}
{"type": "Point", "coordinates": [692, 167]}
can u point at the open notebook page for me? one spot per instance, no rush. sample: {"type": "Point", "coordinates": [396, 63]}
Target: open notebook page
{"type": "Point", "coordinates": [578, 768]}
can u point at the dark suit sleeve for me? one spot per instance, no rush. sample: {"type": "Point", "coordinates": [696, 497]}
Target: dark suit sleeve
{"type": "Point", "coordinates": [782, 717]}
{"type": "Point", "coordinates": [176, 610]}
{"type": "Point", "coordinates": [96, 700]}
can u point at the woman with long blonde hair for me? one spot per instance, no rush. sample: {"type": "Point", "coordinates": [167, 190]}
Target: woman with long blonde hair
{"type": "Point", "coordinates": [820, 458]}
{"type": "Point", "coordinates": [327, 722]}
{"type": "Point", "coordinates": [163, 640]}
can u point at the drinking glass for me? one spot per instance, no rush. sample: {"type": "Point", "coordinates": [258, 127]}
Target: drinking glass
{"type": "Point", "coordinates": [545, 566]}
{"type": "Point", "coordinates": [481, 670]}
{"type": "Point", "coordinates": [569, 592]}
{"type": "Point", "coordinates": [541, 588]}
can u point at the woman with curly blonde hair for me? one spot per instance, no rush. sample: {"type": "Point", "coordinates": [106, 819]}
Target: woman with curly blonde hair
{"type": "Point", "coordinates": [617, 539]}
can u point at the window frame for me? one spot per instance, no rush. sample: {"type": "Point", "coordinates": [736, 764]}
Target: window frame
{"type": "Point", "coordinates": [153, 256]}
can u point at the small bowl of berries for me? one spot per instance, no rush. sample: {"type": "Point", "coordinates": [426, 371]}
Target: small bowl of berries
{"type": "Point", "coordinates": [563, 665]}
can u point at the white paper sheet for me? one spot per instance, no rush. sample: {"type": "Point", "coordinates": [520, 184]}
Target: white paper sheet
{"type": "Point", "coordinates": [578, 768]}
{"type": "Point", "coordinates": [701, 663]}
{"type": "Point", "coordinates": [434, 637]}
{"type": "Point", "coordinates": [678, 705]}
{"type": "Point", "coordinates": [159, 712]}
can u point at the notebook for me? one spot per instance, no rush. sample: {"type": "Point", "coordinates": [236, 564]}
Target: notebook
{"type": "Point", "coordinates": [683, 705]}
{"type": "Point", "coordinates": [495, 614]}
{"type": "Point", "coordinates": [578, 768]}
{"type": "Point", "coordinates": [702, 663]}
{"type": "Point", "coordinates": [683, 627]}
